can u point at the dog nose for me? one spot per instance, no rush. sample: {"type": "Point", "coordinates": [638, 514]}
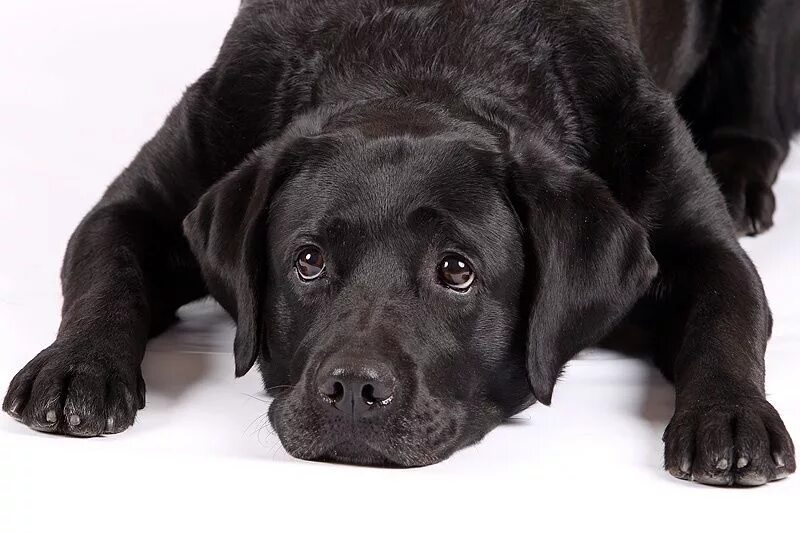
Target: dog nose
{"type": "Point", "coordinates": [360, 392]}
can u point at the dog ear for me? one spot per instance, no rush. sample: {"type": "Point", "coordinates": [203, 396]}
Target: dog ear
{"type": "Point", "coordinates": [592, 260]}
{"type": "Point", "coordinates": [226, 232]}
{"type": "Point", "coordinates": [222, 234]}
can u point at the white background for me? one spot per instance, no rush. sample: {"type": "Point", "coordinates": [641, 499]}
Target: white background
{"type": "Point", "coordinates": [83, 83]}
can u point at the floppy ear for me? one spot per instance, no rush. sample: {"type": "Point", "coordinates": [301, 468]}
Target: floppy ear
{"type": "Point", "coordinates": [223, 234]}
{"type": "Point", "coordinates": [227, 236]}
{"type": "Point", "coordinates": [593, 261]}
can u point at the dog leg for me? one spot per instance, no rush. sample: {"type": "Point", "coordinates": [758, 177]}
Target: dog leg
{"type": "Point", "coordinates": [128, 266]}
{"type": "Point", "coordinates": [707, 303]}
{"type": "Point", "coordinates": [127, 269]}
{"type": "Point", "coordinates": [712, 333]}
{"type": "Point", "coordinates": [742, 105]}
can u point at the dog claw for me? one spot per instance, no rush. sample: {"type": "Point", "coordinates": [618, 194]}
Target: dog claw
{"type": "Point", "coordinates": [14, 410]}
{"type": "Point", "coordinates": [742, 462]}
{"type": "Point", "coordinates": [779, 461]}
{"type": "Point", "coordinates": [74, 420]}
{"type": "Point", "coordinates": [722, 464]}
{"type": "Point", "coordinates": [755, 227]}
{"type": "Point", "coordinates": [51, 417]}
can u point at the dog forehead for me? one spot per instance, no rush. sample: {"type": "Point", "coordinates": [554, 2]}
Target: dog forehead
{"type": "Point", "coordinates": [372, 181]}
{"type": "Point", "coordinates": [400, 198]}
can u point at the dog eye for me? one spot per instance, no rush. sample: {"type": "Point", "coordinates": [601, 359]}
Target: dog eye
{"type": "Point", "coordinates": [456, 273]}
{"type": "Point", "coordinates": [310, 263]}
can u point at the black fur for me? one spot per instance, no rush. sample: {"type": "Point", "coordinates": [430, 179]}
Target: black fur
{"type": "Point", "coordinates": [540, 140]}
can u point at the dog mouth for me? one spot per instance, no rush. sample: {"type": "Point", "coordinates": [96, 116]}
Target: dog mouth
{"type": "Point", "coordinates": [411, 439]}
{"type": "Point", "coordinates": [359, 453]}
{"type": "Point", "coordinates": [357, 449]}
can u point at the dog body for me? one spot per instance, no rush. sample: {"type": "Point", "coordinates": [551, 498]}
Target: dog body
{"type": "Point", "coordinates": [418, 212]}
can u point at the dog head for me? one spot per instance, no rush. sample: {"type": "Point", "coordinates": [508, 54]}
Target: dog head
{"type": "Point", "coordinates": [404, 291]}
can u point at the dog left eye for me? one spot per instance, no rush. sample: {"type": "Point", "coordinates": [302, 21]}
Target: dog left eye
{"type": "Point", "coordinates": [310, 263]}
{"type": "Point", "coordinates": [456, 273]}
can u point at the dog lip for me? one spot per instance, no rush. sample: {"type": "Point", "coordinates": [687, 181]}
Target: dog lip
{"type": "Point", "coordinates": [356, 452]}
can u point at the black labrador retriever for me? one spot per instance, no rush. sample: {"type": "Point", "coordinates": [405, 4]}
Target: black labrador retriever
{"type": "Point", "coordinates": [419, 211]}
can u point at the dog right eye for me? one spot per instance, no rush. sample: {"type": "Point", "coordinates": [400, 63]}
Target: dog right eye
{"type": "Point", "coordinates": [456, 273]}
{"type": "Point", "coordinates": [310, 263]}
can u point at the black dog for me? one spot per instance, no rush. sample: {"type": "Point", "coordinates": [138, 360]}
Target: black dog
{"type": "Point", "coordinates": [419, 211]}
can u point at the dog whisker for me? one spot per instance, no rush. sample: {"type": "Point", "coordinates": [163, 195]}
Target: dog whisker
{"type": "Point", "coordinates": [258, 418]}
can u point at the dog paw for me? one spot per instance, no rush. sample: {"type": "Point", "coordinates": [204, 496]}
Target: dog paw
{"type": "Point", "coordinates": [64, 390]}
{"type": "Point", "coordinates": [743, 443]}
{"type": "Point", "coordinates": [745, 170]}
{"type": "Point", "coordinates": [752, 207]}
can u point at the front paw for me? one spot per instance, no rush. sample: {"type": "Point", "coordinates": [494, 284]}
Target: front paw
{"type": "Point", "coordinates": [75, 392]}
{"type": "Point", "coordinates": [730, 443]}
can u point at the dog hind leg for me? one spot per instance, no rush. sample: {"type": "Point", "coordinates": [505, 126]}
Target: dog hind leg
{"type": "Point", "coordinates": [743, 105]}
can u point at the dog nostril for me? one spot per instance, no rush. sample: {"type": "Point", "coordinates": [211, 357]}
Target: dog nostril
{"type": "Point", "coordinates": [333, 391]}
{"type": "Point", "coordinates": [371, 395]}
{"type": "Point", "coordinates": [368, 393]}
{"type": "Point", "coordinates": [356, 391]}
{"type": "Point", "coordinates": [338, 392]}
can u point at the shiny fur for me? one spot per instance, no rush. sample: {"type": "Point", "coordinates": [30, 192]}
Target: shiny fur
{"type": "Point", "coordinates": [539, 139]}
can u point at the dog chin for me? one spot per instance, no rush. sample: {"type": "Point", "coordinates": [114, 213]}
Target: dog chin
{"type": "Point", "coordinates": [357, 453]}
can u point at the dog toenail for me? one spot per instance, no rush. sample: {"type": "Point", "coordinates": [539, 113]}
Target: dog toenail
{"type": "Point", "coordinates": [15, 408]}
{"type": "Point", "coordinates": [74, 420]}
{"type": "Point", "coordinates": [779, 460]}
{"type": "Point", "coordinates": [51, 417]}
{"type": "Point", "coordinates": [722, 464]}
{"type": "Point", "coordinates": [742, 462]}
{"type": "Point", "coordinates": [110, 423]}
{"type": "Point", "coordinates": [686, 466]}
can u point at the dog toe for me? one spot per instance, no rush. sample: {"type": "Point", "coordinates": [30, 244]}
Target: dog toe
{"type": "Point", "coordinates": [729, 445]}
{"type": "Point", "coordinates": [73, 393]}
